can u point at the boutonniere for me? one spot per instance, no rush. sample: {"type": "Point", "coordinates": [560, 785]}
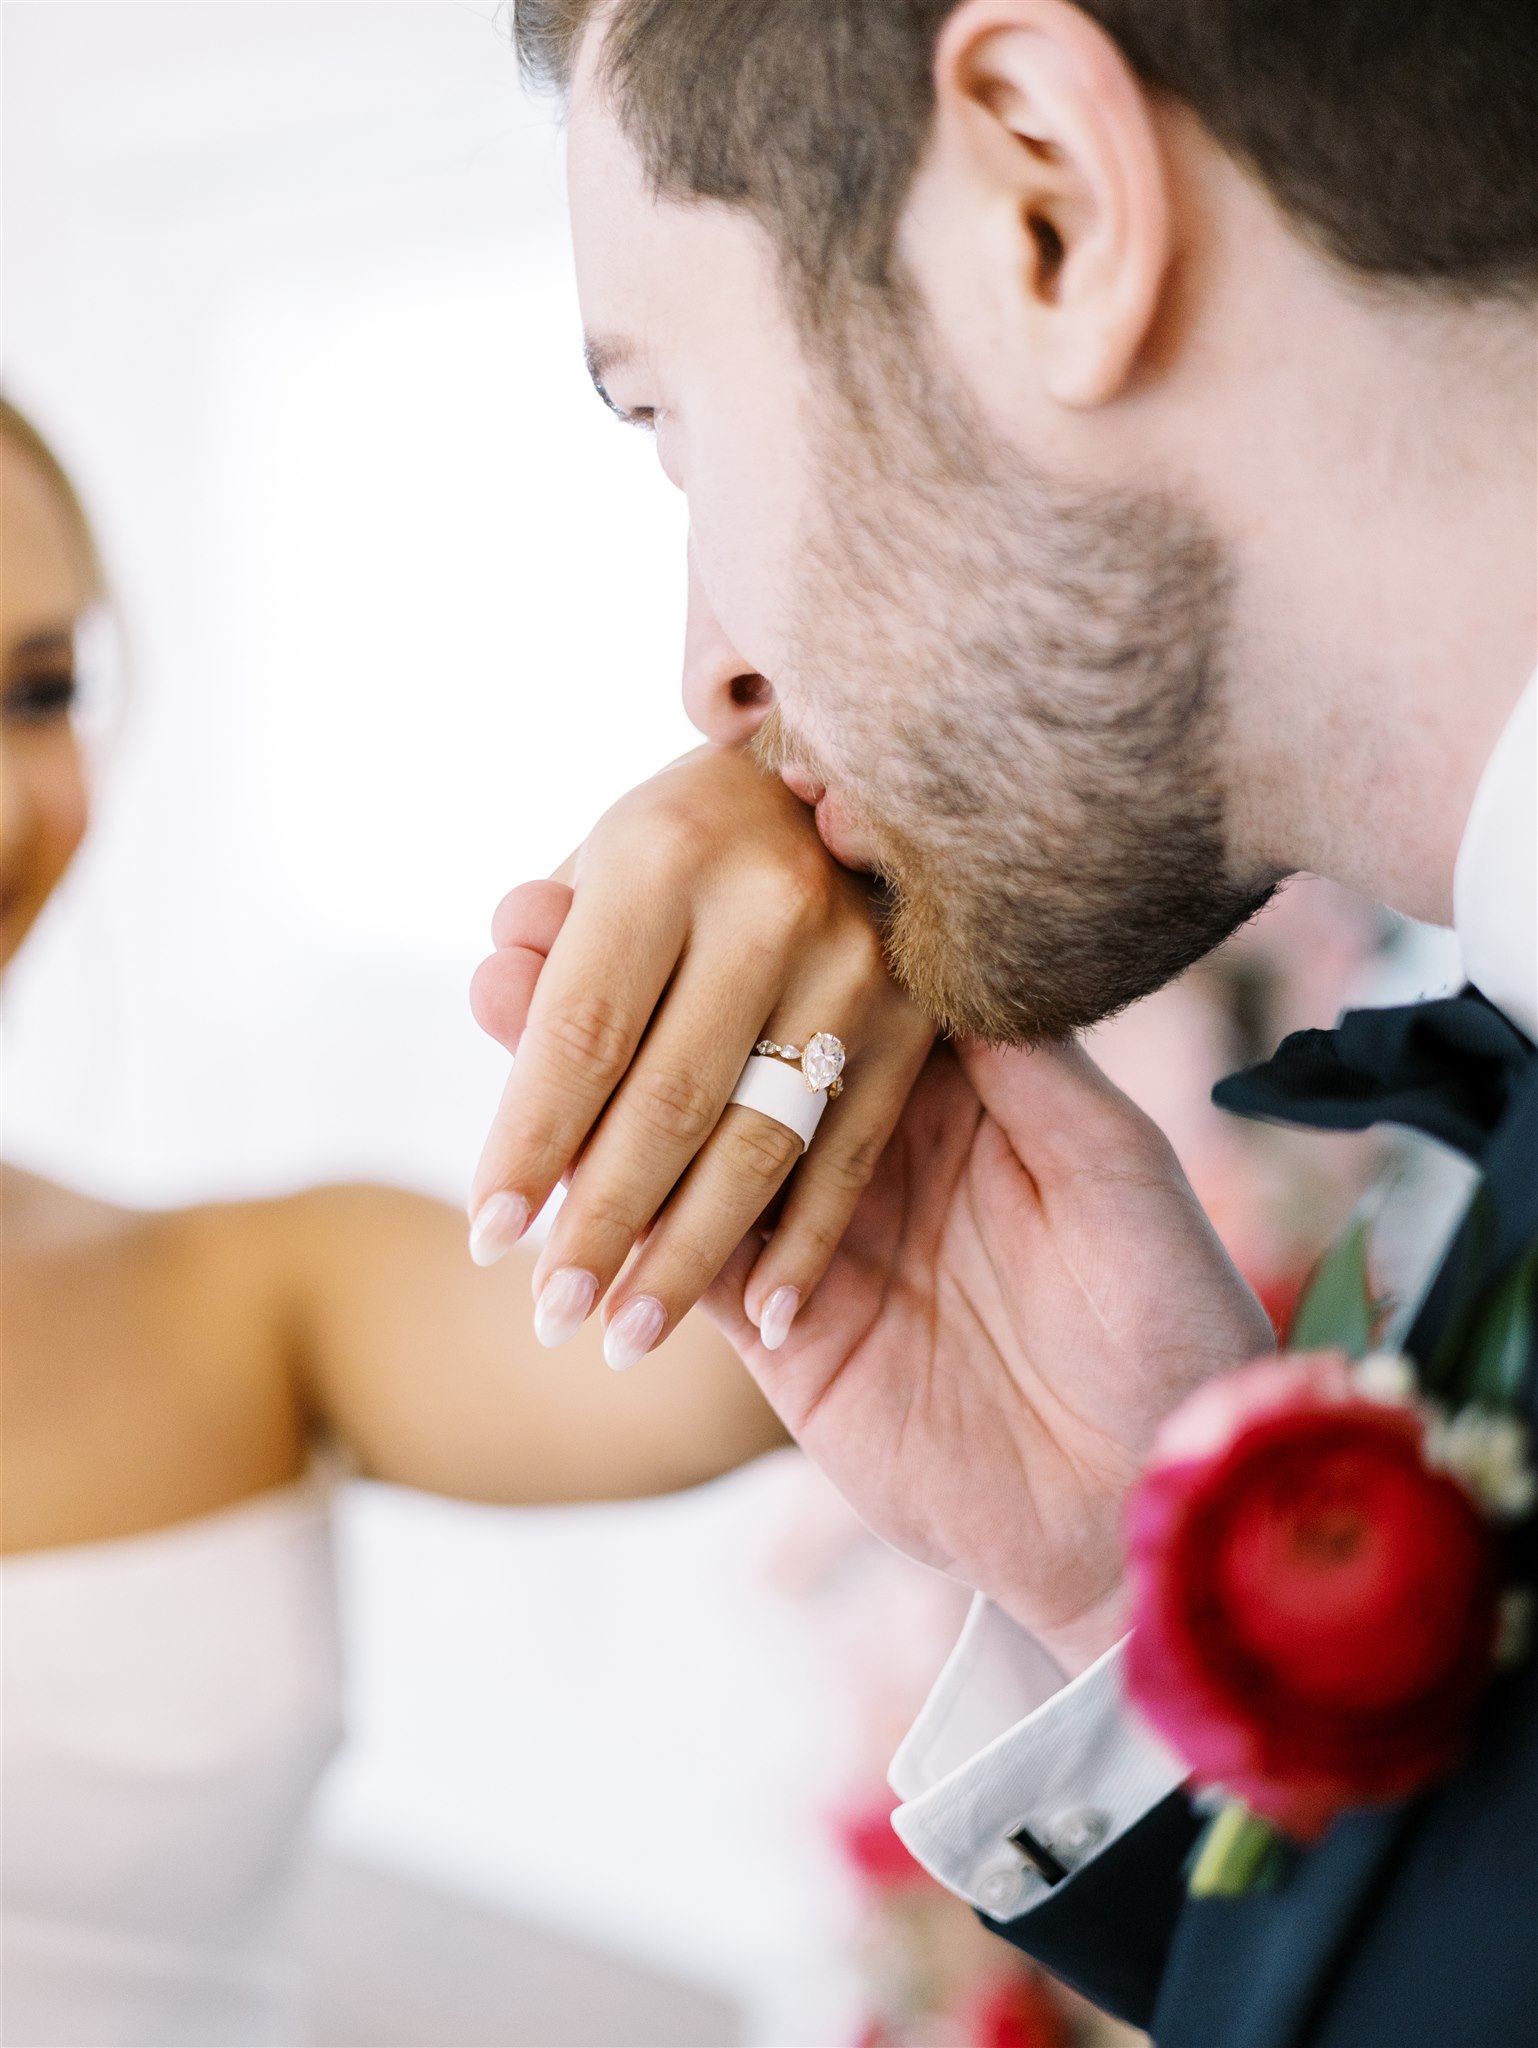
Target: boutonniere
{"type": "Point", "coordinates": [1318, 1564]}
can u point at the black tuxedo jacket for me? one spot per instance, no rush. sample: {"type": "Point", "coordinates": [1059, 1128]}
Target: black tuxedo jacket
{"type": "Point", "coordinates": [1412, 1927]}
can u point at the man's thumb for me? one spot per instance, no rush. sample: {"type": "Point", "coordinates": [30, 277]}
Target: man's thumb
{"type": "Point", "coordinates": [1051, 1101]}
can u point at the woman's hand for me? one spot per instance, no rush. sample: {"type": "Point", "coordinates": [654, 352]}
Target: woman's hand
{"type": "Point", "coordinates": [702, 914]}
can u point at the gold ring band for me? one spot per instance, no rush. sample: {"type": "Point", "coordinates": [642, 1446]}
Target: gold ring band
{"type": "Point", "coordinates": [821, 1060]}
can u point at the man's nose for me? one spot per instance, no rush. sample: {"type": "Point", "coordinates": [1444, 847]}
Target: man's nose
{"type": "Point", "coordinates": [724, 696]}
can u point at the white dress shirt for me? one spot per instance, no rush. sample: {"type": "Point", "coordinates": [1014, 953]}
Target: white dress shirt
{"type": "Point", "coordinates": [1002, 1742]}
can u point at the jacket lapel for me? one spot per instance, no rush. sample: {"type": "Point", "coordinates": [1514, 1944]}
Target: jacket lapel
{"type": "Point", "coordinates": [1251, 1972]}
{"type": "Point", "coordinates": [1499, 1228]}
{"type": "Point", "coordinates": [1245, 1972]}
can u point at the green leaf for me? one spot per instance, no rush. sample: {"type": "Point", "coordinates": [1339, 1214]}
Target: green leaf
{"type": "Point", "coordinates": [1445, 1371]}
{"type": "Point", "coordinates": [1238, 1853]}
{"type": "Point", "coordinates": [1337, 1311]}
{"type": "Point", "coordinates": [1495, 1367]}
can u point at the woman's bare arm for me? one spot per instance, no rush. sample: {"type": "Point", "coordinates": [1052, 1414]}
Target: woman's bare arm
{"type": "Point", "coordinates": [428, 1369]}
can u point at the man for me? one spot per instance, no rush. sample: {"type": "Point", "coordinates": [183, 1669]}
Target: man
{"type": "Point", "coordinates": [1109, 441]}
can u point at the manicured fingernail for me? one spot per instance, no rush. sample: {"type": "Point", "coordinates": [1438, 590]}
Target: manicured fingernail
{"type": "Point", "coordinates": [499, 1223]}
{"type": "Point", "coordinates": [633, 1332]}
{"type": "Point", "coordinates": [779, 1313]}
{"type": "Point", "coordinates": [563, 1305]}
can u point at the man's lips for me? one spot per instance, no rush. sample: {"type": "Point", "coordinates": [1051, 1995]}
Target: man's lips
{"type": "Point", "coordinates": [832, 826]}
{"type": "Point", "coordinates": [840, 840]}
{"type": "Point", "coordinates": [803, 785]}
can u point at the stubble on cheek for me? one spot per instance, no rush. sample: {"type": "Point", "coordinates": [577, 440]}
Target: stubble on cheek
{"type": "Point", "coordinates": [1031, 734]}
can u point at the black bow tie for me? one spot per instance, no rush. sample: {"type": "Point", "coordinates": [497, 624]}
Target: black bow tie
{"type": "Point", "coordinates": [1450, 1068]}
{"type": "Point", "coordinates": [1457, 1069]}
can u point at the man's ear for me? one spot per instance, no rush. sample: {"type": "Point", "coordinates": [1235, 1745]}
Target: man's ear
{"type": "Point", "coordinates": [1043, 126]}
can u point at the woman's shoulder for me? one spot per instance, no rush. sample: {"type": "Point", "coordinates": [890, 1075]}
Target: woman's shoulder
{"type": "Point", "coordinates": [51, 1223]}
{"type": "Point", "coordinates": [147, 1364]}
{"type": "Point", "coordinates": [203, 1267]}
{"type": "Point", "coordinates": [247, 1249]}
{"type": "Point", "coordinates": [43, 1216]}
{"type": "Point", "coordinates": [33, 1201]}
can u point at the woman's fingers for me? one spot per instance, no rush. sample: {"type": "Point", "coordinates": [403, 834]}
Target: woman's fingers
{"type": "Point", "coordinates": [732, 1183]}
{"type": "Point", "coordinates": [531, 915]}
{"type": "Point", "coordinates": [592, 1001]}
{"type": "Point", "coordinates": [524, 928]}
{"type": "Point", "coordinates": [501, 990]}
{"type": "Point", "coordinates": [737, 1171]}
{"type": "Point", "coordinates": [729, 1185]}
{"type": "Point", "coordinates": [828, 1184]}
{"type": "Point", "coordinates": [668, 1108]}
{"type": "Point", "coordinates": [705, 913]}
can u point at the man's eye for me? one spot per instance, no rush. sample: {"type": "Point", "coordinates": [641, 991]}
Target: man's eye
{"type": "Point", "coordinates": [642, 416]}
{"type": "Point", "coordinates": [38, 700]}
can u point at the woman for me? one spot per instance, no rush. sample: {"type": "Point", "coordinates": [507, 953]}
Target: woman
{"type": "Point", "coordinates": [174, 1385]}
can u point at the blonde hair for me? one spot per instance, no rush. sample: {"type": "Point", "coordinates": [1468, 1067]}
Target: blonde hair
{"type": "Point", "coordinates": [28, 442]}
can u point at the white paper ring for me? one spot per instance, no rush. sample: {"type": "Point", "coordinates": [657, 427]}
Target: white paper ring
{"type": "Point", "coordinates": [778, 1090]}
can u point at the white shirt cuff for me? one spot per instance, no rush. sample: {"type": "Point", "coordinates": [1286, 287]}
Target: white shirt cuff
{"type": "Point", "coordinates": [1004, 1743]}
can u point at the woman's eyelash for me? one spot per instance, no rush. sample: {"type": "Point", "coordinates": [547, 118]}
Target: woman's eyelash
{"type": "Point", "coordinates": [36, 699]}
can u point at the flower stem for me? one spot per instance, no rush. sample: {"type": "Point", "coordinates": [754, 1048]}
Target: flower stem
{"type": "Point", "coordinates": [1238, 1853]}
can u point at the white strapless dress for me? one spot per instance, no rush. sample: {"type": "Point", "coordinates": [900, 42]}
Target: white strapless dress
{"type": "Point", "coordinates": [169, 1703]}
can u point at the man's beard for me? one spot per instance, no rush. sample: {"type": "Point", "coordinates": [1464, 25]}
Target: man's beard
{"type": "Point", "coordinates": [1015, 686]}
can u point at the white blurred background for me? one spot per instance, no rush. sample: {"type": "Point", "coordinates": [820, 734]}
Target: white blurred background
{"type": "Point", "coordinates": [288, 286]}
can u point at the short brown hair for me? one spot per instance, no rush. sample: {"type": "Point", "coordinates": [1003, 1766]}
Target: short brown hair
{"type": "Point", "coordinates": [1396, 133]}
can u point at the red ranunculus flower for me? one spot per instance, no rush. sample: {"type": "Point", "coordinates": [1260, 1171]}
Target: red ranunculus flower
{"type": "Point", "coordinates": [1314, 1606]}
{"type": "Point", "coordinates": [1018, 2012]}
{"type": "Point", "coordinates": [873, 1848]}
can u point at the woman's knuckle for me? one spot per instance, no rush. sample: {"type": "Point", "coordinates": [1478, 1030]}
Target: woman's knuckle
{"type": "Point", "coordinates": [848, 1171]}
{"type": "Point", "coordinates": [591, 1032]}
{"type": "Point", "coordinates": [759, 1150]}
{"type": "Point", "coordinates": [817, 1239]}
{"type": "Point", "coordinates": [662, 837]}
{"type": "Point", "coordinates": [788, 896]}
{"type": "Point", "coordinates": [760, 909]}
{"type": "Point", "coordinates": [812, 886]}
{"type": "Point", "coordinates": [688, 1270]}
{"type": "Point", "coordinates": [601, 1213]}
{"type": "Point", "coordinates": [678, 1106]}
{"type": "Point", "coordinates": [865, 950]}
{"type": "Point", "coordinates": [798, 890]}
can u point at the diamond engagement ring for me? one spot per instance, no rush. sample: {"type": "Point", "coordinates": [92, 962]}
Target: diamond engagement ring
{"type": "Point", "coordinates": [793, 1084]}
{"type": "Point", "coordinates": [821, 1060]}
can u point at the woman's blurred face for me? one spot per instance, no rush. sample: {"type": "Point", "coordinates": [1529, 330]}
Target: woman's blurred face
{"type": "Point", "coordinates": [45, 587]}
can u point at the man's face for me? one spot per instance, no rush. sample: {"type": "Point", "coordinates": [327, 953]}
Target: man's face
{"type": "Point", "coordinates": [688, 337]}
{"type": "Point", "coordinates": [1001, 689]}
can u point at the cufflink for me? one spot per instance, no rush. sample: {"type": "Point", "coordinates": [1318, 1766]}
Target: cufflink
{"type": "Point", "coordinates": [1040, 1857]}
{"type": "Point", "coordinates": [1077, 1835]}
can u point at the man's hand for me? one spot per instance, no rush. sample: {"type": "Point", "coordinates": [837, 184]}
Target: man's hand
{"type": "Point", "coordinates": [1028, 1286]}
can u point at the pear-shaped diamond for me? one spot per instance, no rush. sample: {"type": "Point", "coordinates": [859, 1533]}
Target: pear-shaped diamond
{"type": "Point", "coordinates": [823, 1060]}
